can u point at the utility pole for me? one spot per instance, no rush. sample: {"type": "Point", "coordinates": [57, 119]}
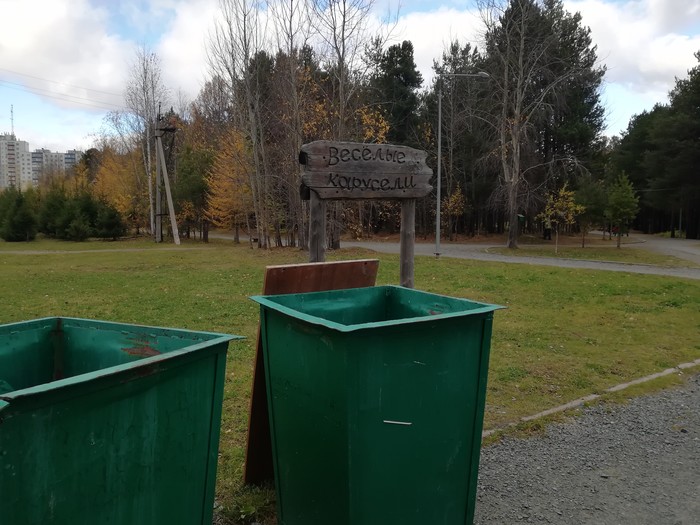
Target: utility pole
{"type": "Point", "coordinates": [162, 178]}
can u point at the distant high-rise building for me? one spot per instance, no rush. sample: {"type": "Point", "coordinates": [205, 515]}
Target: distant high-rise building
{"type": "Point", "coordinates": [20, 168]}
{"type": "Point", "coordinates": [15, 162]}
{"type": "Point", "coordinates": [46, 162]}
{"type": "Point", "coordinates": [71, 158]}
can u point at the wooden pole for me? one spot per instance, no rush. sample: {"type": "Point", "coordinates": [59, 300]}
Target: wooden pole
{"type": "Point", "coordinates": [408, 240]}
{"type": "Point", "coordinates": [317, 228]}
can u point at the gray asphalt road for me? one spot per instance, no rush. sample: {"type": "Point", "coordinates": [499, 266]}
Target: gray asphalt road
{"type": "Point", "coordinates": [688, 250]}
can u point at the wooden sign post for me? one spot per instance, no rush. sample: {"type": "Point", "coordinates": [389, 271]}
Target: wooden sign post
{"type": "Point", "coordinates": [350, 170]}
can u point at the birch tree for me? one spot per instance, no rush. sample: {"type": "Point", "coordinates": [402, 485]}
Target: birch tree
{"type": "Point", "coordinates": [344, 31]}
{"type": "Point", "coordinates": [145, 91]}
{"type": "Point", "coordinates": [293, 93]}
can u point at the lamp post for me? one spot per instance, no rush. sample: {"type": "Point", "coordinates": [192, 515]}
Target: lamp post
{"type": "Point", "coordinates": [480, 74]}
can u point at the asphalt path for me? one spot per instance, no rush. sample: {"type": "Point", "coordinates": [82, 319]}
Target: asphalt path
{"type": "Point", "coordinates": [688, 250]}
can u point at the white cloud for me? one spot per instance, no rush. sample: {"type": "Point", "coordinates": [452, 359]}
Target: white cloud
{"type": "Point", "coordinates": [66, 43]}
{"type": "Point", "coordinates": [183, 47]}
{"type": "Point", "coordinates": [642, 42]}
{"type": "Point", "coordinates": [673, 15]}
{"type": "Point", "coordinates": [432, 32]}
{"type": "Point", "coordinates": [646, 45]}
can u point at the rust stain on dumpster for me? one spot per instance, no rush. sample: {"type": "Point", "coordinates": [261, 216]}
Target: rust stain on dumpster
{"type": "Point", "coordinates": [144, 350]}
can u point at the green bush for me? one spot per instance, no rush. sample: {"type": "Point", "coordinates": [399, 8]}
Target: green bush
{"type": "Point", "coordinates": [51, 210]}
{"type": "Point", "coordinates": [109, 223]}
{"type": "Point", "coordinates": [79, 229]}
{"type": "Point", "coordinates": [18, 222]}
{"type": "Point", "coordinates": [78, 217]}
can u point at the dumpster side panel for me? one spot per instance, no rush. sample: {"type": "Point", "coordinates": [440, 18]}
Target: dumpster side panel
{"type": "Point", "coordinates": [346, 307]}
{"type": "Point", "coordinates": [308, 420]}
{"type": "Point", "coordinates": [26, 354]}
{"type": "Point", "coordinates": [478, 426]}
{"type": "Point", "coordinates": [136, 447]}
{"type": "Point", "coordinates": [415, 413]}
{"type": "Point", "coordinates": [90, 346]}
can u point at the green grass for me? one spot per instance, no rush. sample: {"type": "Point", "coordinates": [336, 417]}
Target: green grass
{"type": "Point", "coordinates": [53, 245]}
{"type": "Point", "coordinates": [566, 333]}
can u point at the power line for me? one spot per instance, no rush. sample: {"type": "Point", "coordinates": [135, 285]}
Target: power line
{"type": "Point", "coordinates": [59, 83]}
{"type": "Point", "coordinates": [65, 98]}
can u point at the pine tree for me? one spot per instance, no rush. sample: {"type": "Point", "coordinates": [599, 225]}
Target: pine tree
{"type": "Point", "coordinates": [18, 221]}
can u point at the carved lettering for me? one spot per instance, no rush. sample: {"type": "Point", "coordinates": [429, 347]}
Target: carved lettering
{"type": "Point", "coordinates": [383, 154]}
{"type": "Point", "coordinates": [332, 156]}
{"type": "Point", "coordinates": [345, 182]}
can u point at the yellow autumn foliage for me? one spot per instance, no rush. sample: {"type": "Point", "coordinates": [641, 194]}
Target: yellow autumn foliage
{"type": "Point", "coordinates": [229, 195]}
{"type": "Point", "coordinates": [117, 183]}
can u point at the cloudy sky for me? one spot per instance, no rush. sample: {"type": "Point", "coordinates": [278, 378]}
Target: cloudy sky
{"type": "Point", "coordinates": [64, 63]}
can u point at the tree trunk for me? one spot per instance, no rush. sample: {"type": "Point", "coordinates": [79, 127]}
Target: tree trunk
{"type": "Point", "coordinates": [513, 213]}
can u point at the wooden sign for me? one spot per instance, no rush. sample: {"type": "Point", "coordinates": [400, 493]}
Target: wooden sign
{"type": "Point", "coordinates": [351, 170]}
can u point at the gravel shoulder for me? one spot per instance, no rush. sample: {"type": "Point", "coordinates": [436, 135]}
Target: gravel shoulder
{"type": "Point", "coordinates": [632, 464]}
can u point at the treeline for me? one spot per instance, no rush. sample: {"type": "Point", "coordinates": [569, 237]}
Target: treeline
{"type": "Point", "coordinates": [660, 154]}
{"type": "Point", "coordinates": [64, 209]}
{"type": "Point", "coordinates": [521, 118]}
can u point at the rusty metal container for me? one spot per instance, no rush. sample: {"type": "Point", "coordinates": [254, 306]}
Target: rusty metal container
{"type": "Point", "coordinates": [108, 423]}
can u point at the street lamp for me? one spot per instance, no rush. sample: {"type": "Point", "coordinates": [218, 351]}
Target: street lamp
{"type": "Point", "coordinates": [480, 74]}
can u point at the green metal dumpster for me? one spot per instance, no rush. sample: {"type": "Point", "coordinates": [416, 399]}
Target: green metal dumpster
{"type": "Point", "coordinates": [108, 423]}
{"type": "Point", "coordinates": [376, 399]}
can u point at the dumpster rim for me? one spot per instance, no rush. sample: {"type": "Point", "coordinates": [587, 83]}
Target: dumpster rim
{"type": "Point", "coordinates": [220, 338]}
{"type": "Point", "coordinates": [265, 301]}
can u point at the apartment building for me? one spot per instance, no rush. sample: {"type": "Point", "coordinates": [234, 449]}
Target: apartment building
{"type": "Point", "coordinates": [21, 168]}
{"type": "Point", "coordinates": [45, 161]}
{"type": "Point", "coordinates": [15, 162]}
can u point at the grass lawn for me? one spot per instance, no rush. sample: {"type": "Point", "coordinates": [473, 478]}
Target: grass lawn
{"type": "Point", "coordinates": [566, 332]}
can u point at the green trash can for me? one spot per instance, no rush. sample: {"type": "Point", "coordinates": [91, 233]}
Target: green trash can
{"type": "Point", "coordinates": [376, 400]}
{"type": "Point", "coordinates": [108, 423]}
